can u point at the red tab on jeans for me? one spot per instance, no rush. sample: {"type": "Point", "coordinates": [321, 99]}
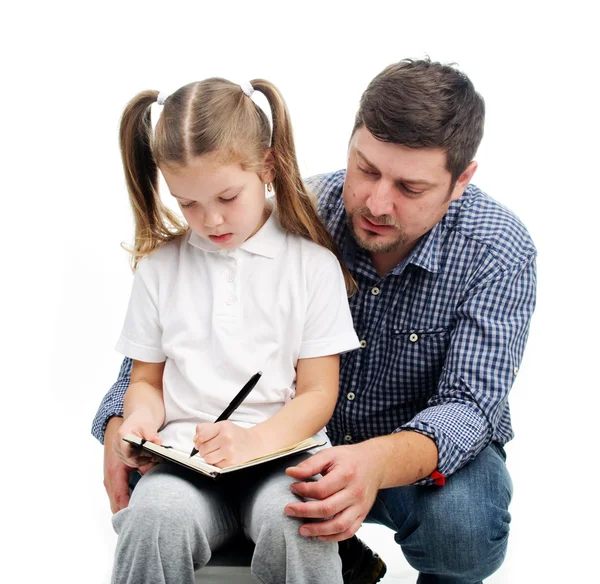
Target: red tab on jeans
{"type": "Point", "coordinates": [438, 478]}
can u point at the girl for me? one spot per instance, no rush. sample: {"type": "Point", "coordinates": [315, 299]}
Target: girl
{"type": "Point", "coordinates": [247, 286]}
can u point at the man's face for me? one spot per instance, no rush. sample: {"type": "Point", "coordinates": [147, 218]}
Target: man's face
{"type": "Point", "coordinates": [394, 194]}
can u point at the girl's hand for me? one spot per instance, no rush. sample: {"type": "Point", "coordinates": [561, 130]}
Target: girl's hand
{"type": "Point", "coordinates": [226, 444]}
{"type": "Point", "coordinates": [141, 424]}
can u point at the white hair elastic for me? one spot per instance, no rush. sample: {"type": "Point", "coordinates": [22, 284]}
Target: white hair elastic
{"type": "Point", "coordinates": [247, 88]}
{"type": "Point", "coordinates": [162, 97]}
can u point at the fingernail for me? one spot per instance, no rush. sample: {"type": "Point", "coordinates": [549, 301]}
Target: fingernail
{"type": "Point", "coordinates": [290, 512]}
{"type": "Point", "coordinates": [304, 531]}
{"type": "Point", "coordinates": [293, 489]}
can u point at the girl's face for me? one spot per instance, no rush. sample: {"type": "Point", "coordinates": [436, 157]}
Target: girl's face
{"type": "Point", "coordinates": [221, 202]}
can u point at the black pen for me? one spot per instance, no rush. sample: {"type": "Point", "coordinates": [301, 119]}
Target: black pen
{"type": "Point", "coordinates": [236, 401]}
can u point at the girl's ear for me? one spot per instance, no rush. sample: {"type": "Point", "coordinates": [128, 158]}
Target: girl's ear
{"type": "Point", "coordinates": [268, 173]}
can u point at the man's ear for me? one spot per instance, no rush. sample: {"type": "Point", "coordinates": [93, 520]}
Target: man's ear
{"type": "Point", "coordinates": [268, 173]}
{"type": "Point", "coordinates": [463, 180]}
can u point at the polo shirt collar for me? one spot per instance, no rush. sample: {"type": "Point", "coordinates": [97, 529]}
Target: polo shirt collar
{"type": "Point", "coordinates": [267, 241]}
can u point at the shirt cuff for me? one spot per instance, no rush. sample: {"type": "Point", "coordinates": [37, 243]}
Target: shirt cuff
{"type": "Point", "coordinates": [322, 348]}
{"type": "Point", "coordinates": [139, 352]}
{"type": "Point", "coordinates": [112, 403]}
{"type": "Point", "coordinates": [459, 430]}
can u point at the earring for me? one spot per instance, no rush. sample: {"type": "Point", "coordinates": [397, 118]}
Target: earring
{"type": "Point", "coordinates": [269, 187]}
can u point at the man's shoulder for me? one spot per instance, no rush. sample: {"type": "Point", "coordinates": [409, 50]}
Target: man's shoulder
{"type": "Point", "coordinates": [328, 189]}
{"type": "Point", "coordinates": [479, 217]}
{"type": "Point", "coordinates": [327, 186]}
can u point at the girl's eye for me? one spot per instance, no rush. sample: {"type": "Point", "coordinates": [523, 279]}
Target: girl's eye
{"type": "Point", "coordinates": [187, 205]}
{"type": "Point", "coordinates": [230, 200]}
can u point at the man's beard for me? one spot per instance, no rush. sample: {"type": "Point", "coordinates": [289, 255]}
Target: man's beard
{"type": "Point", "coordinates": [370, 243]}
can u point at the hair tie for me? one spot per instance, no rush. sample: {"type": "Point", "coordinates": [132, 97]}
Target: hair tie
{"type": "Point", "coordinates": [247, 88]}
{"type": "Point", "coordinates": [162, 97]}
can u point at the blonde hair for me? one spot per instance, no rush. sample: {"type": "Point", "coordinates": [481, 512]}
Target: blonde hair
{"type": "Point", "coordinates": [213, 116]}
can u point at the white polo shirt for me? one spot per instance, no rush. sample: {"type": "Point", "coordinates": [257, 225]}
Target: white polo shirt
{"type": "Point", "coordinates": [218, 316]}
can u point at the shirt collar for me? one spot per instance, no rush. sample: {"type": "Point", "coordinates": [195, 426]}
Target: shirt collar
{"type": "Point", "coordinates": [267, 241]}
{"type": "Point", "coordinates": [426, 254]}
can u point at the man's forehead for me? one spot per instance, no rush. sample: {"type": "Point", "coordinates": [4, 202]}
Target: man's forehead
{"type": "Point", "coordinates": [397, 160]}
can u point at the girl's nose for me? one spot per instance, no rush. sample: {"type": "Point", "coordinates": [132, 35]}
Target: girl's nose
{"type": "Point", "coordinates": [213, 220]}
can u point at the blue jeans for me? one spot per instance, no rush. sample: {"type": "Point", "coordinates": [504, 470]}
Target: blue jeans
{"type": "Point", "coordinates": [455, 534]}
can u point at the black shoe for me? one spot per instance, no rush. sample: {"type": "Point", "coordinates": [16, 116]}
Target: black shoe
{"type": "Point", "coordinates": [360, 564]}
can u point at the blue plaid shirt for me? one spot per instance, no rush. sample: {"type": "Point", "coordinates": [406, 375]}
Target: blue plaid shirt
{"type": "Point", "coordinates": [442, 334]}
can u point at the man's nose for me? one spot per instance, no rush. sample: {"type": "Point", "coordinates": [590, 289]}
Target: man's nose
{"type": "Point", "coordinates": [380, 201]}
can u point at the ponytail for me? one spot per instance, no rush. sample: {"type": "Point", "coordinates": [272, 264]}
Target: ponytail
{"type": "Point", "coordinates": [296, 207]}
{"type": "Point", "coordinates": [155, 224]}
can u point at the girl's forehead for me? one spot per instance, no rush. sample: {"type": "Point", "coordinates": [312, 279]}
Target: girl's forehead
{"type": "Point", "coordinates": [204, 178]}
{"type": "Point", "coordinates": [202, 168]}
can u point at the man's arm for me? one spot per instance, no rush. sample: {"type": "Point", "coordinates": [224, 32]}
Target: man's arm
{"type": "Point", "coordinates": [112, 403]}
{"type": "Point", "coordinates": [105, 426]}
{"type": "Point", "coordinates": [481, 365]}
{"type": "Point", "coordinates": [485, 352]}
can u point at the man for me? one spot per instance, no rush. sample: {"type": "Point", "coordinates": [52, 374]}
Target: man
{"type": "Point", "coordinates": [446, 281]}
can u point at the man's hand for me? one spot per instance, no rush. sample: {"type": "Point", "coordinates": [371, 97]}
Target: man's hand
{"type": "Point", "coordinates": [116, 472]}
{"type": "Point", "coordinates": [141, 423]}
{"type": "Point", "coordinates": [352, 475]}
{"type": "Point", "coordinates": [225, 443]}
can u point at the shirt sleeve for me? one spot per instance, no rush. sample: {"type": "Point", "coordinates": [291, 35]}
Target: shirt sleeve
{"type": "Point", "coordinates": [141, 338]}
{"type": "Point", "coordinates": [486, 348]}
{"type": "Point", "coordinates": [112, 403]}
{"type": "Point", "coordinates": [328, 327]}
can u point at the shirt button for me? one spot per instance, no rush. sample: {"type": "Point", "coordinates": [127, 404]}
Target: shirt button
{"type": "Point", "coordinates": [348, 438]}
{"type": "Point", "coordinates": [375, 291]}
{"type": "Point", "coordinates": [363, 344]}
{"type": "Point", "coordinates": [229, 301]}
{"type": "Point", "coordinates": [414, 338]}
{"type": "Point", "coordinates": [230, 277]}
{"type": "Point", "coordinates": [515, 370]}
{"type": "Point", "coordinates": [351, 396]}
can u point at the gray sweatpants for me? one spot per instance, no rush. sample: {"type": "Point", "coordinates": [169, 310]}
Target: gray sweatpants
{"type": "Point", "coordinates": [176, 518]}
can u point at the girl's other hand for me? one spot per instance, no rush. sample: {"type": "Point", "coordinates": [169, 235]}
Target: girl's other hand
{"type": "Point", "coordinates": [226, 444]}
{"type": "Point", "coordinates": [139, 423]}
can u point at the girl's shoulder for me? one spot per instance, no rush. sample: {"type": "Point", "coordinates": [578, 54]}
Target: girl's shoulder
{"type": "Point", "coordinates": [164, 256]}
{"type": "Point", "coordinates": [312, 254]}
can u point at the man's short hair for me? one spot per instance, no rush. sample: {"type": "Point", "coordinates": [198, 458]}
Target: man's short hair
{"type": "Point", "coordinates": [424, 104]}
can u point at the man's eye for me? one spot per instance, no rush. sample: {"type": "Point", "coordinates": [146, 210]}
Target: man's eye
{"type": "Point", "coordinates": [410, 191]}
{"type": "Point", "coordinates": [365, 170]}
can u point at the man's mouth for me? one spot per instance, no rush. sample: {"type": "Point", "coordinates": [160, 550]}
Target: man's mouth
{"type": "Point", "coordinates": [373, 226]}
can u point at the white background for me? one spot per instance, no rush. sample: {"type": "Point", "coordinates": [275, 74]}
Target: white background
{"type": "Point", "coordinates": [67, 71]}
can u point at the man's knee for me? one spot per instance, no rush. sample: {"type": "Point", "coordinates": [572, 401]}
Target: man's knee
{"type": "Point", "coordinates": [461, 538]}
